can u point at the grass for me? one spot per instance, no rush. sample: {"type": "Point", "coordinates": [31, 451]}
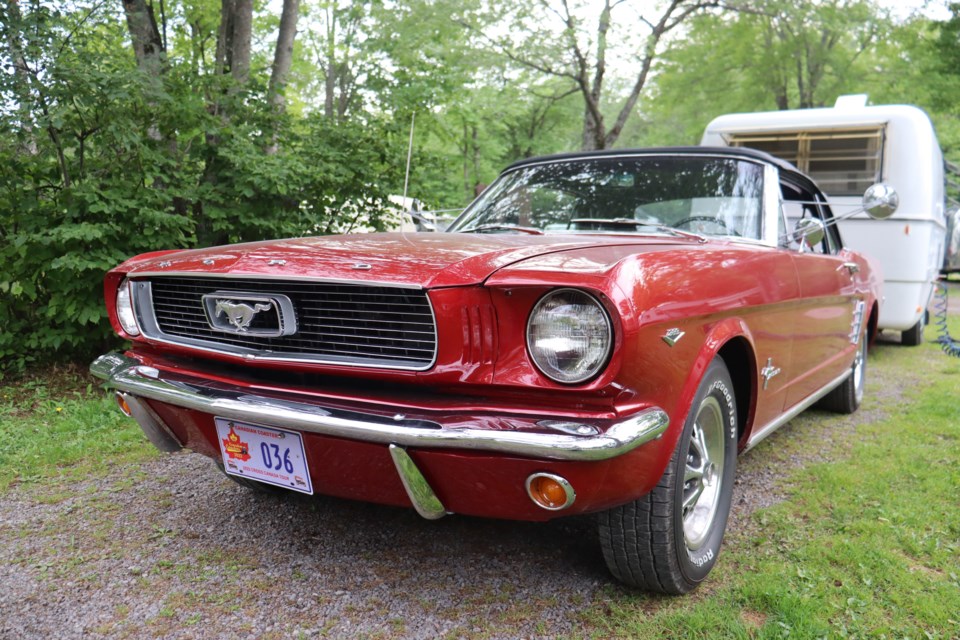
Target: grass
{"type": "Point", "coordinates": [58, 425]}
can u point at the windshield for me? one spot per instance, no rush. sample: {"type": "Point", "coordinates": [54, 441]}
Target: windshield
{"type": "Point", "coordinates": [703, 195]}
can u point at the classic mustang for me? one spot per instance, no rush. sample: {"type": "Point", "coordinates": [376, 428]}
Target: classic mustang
{"type": "Point", "coordinates": [597, 333]}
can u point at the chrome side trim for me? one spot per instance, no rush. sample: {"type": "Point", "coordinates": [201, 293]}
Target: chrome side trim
{"type": "Point", "coordinates": [421, 494]}
{"type": "Point", "coordinates": [156, 430]}
{"type": "Point", "coordinates": [778, 422]}
{"type": "Point", "coordinates": [125, 374]}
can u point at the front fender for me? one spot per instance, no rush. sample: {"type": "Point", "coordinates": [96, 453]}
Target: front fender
{"type": "Point", "coordinates": [717, 336]}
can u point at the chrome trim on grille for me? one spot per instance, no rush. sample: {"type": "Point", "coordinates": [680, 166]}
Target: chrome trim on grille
{"type": "Point", "coordinates": [125, 374]}
{"type": "Point", "coordinates": [283, 277]}
{"type": "Point", "coordinates": [367, 340]}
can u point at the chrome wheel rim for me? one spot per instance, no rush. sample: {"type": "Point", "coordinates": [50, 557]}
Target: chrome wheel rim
{"type": "Point", "coordinates": [859, 370]}
{"type": "Point", "coordinates": [703, 473]}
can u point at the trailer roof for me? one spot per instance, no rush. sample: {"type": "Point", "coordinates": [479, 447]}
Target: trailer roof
{"type": "Point", "coordinates": [816, 119]}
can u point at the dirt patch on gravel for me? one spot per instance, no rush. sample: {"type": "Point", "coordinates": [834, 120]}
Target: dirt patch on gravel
{"type": "Point", "coordinates": [173, 549]}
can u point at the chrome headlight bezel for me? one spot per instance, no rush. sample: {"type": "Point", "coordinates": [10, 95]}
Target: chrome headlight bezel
{"type": "Point", "coordinates": [587, 330]}
{"type": "Point", "coordinates": [126, 315]}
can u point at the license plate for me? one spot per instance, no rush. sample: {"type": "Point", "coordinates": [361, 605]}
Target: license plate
{"type": "Point", "coordinates": [266, 454]}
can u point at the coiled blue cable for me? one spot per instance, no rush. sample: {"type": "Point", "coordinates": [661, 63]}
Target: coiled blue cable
{"type": "Point", "coordinates": [947, 343]}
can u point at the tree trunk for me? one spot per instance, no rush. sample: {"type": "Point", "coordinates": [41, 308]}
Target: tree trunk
{"type": "Point", "coordinates": [283, 55]}
{"type": "Point", "coordinates": [781, 98]}
{"type": "Point", "coordinates": [282, 60]}
{"type": "Point", "coordinates": [147, 44]}
{"type": "Point", "coordinates": [465, 156]}
{"type": "Point", "coordinates": [242, 35]}
{"type": "Point", "coordinates": [593, 132]}
{"type": "Point", "coordinates": [330, 79]}
{"type": "Point", "coordinates": [225, 37]}
{"type": "Point", "coordinates": [21, 77]}
{"type": "Point", "coordinates": [233, 39]}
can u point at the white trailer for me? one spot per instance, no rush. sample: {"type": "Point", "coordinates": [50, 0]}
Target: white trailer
{"type": "Point", "coordinates": [845, 150]}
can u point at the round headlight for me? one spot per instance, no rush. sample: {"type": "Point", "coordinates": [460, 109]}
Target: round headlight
{"type": "Point", "coordinates": [569, 336]}
{"type": "Point", "coordinates": [125, 314]}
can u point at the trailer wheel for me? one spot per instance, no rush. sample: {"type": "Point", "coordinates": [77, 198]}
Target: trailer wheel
{"type": "Point", "coordinates": [914, 335]}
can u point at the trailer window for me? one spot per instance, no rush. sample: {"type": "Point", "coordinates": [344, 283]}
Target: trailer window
{"type": "Point", "coordinates": [842, 163]}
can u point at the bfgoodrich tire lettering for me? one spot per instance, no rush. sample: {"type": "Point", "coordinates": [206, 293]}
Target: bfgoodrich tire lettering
{"type": "Point", "coordinates": [669, 540]}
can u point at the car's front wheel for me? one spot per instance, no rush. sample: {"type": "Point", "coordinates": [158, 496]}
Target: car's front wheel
{"type": "Point", "coordinates": [669, 540]}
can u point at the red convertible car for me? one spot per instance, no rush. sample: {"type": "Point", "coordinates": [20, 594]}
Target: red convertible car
{"type": "Point", "coordinates": [597, 333]}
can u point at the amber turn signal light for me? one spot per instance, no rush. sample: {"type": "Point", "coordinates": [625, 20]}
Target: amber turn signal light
{"type": "Point", "coordinates": [550, 492]}
{"type": "Point", "coordinates": [122, 403]}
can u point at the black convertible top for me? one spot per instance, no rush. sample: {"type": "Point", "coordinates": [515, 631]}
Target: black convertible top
{"type": "Point", "coordinates": [785, 167]}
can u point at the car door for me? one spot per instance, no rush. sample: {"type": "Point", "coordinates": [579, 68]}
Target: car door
{"type": "Point", "coordinates": [830, 309]}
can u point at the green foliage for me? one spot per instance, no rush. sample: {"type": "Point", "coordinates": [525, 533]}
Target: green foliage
{"type": "Point", "coordinates": [778, 55]}
{"type": "Point", "coordinates": [99, 162]}
{"type": "Point", "coordinates": [921, 66]}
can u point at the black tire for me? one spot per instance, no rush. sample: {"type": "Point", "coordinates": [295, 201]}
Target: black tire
{"type": "Point", "coordinates": [914, 335]}
{"type": "Point", "coordinates": [253, 485]}
{"type": "Point", "coordinates": [847, 397]}
{"type": "Point", "coordinates": [647, 543]}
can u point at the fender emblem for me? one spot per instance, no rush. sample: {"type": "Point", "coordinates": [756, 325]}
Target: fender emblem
{"type": "Point", "coordinates": [672, 336]}
{"type": "Point", "coordinates": [769, 372]}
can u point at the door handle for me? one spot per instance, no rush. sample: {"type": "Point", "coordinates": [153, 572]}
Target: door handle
{"type": "Point", "coordinates": [852, 267]}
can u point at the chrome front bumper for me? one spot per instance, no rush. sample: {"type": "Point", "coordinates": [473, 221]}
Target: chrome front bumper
{"type": "Point", "coordinates": [130, 377]}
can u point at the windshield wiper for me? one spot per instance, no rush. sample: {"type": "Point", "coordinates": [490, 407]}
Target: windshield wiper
{"type": "Point", "coordinates": [631, 222]}
{"type": "Point", "coordinates": [614, 222]}
{"type": "Point", "coordinates": [504, 227]}
{"type": "Point", "coordinates": [682, 234]}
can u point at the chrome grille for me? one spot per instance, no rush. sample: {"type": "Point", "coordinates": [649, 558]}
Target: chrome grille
{"type": "Point", "coordinates": [354, 324]}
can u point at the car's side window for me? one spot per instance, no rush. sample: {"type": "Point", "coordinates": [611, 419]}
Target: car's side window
{"type": "Point", "coordinates": [796, 204]}
{"type": "Point", "coordinates": [832, 237]}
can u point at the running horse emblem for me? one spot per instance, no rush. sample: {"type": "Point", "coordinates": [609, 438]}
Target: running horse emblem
{"type": "Point", "coordinates": [240, 315]}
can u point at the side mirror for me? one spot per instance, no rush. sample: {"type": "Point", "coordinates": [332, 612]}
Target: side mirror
{"type": "Point", "coordinates": [953, 219]}
{"type": "Point", "coordinates": [809, 232]}
{"type": "Point", "coordinates": [880, 201]}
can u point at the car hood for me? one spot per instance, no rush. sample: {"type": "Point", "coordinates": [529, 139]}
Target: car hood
{"type": "Point", "coordinates": [413, 259]}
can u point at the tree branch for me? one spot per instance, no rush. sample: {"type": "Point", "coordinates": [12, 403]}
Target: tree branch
{"type": "Point", "coordinates": [666, 23]}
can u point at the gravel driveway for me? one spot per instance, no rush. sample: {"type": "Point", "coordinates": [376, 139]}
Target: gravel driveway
{"type": "Point", "coordinates": [174, 549]}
